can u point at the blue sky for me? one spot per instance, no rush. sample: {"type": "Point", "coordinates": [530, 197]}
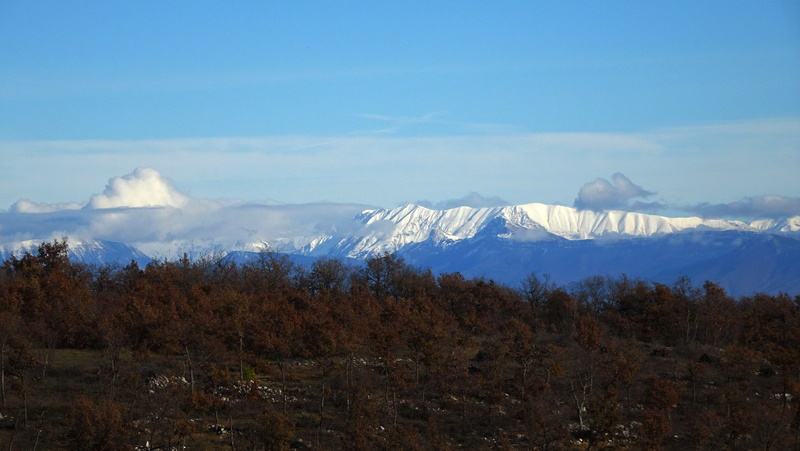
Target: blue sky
{"type": "Point", "coordinates": [695, 102]}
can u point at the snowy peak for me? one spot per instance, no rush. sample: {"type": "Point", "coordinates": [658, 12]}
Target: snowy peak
{"type": "Point", "coordinates": [388, 230]}
{"type": "Point", "coordinates": [789, 225]}
{"type": "Point", "coordinates": [414, 223]}
{"type": "Point", "coordinates": [574, 224]}
{"type": "Point", "coordinates": [89, 251]}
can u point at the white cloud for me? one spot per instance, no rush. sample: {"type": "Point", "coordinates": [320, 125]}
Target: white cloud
{"type": "Point", "coordinates": [26, 206]}
{"type": "Point", "coordinates": [144, 187]}
{"type": "Point", "coordinates": [604, 195]}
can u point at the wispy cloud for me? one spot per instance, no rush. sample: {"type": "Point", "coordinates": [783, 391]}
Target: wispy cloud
{"type": "Point", "coordinates": [392, 125]}
{"type": "Point", "coordinates": [759, 207]}
{"type": "Point", "coordinates": [685, 165]}
{"type": "Point", "coordinates": [28, 206]}
{"type": "Point", "coordinates": [439, 120]}
{"type": "Point", "coordinates": [425, 118]}
{"type": "Point", "coordinates": [474, 200]}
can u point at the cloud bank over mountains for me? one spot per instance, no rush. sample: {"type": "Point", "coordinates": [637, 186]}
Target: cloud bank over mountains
{"type": "Point", "coordinates": [147, 209]}
{"type": "Point", "coordinates": [622, 194]}
{"type": "Point", "coordinates": [770, 206]}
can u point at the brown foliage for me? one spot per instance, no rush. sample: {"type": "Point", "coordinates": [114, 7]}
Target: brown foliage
{"type": "Point", "coordinates": [388, 356]}
{"type": "Point", "coordinates": [94, 425]}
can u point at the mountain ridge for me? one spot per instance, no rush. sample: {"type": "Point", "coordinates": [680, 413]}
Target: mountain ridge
{"type": "Point", "coordinates": [529, 222]}
{"type": "Point", "coordinates": [504, 243]}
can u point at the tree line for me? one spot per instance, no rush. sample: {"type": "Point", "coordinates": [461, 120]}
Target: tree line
{"type": "Point", "coordinates": [274, 355]}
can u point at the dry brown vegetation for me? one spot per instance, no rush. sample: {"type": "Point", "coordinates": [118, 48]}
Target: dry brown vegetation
{"type": "Point", "coordinates": [274, 356]}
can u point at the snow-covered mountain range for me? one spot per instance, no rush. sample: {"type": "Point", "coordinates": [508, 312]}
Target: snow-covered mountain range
{"type": "Point", "coordinates": [94, 252]}
{"type": "Point", "coordinates": [391, 230]}
{"type": "Point", "coordinates": [502, 243]}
